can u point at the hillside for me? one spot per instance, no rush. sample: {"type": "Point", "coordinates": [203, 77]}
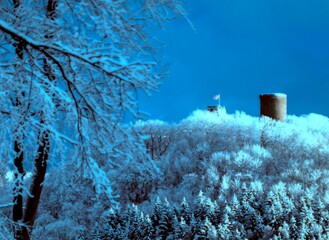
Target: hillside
{"type": "Point", "coordinates": [261, 178]}
{"type": "Point", "coordinates": [216, 152]}
{"type": "Point", "coordinates": [211, 176]}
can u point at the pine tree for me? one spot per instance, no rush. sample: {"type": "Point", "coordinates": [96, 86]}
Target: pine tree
{"type": "Point", "coordinates": [147, 228]}
{"type": "Point", "coordinates": [273, 211]}
{"type": "Point", "coordinates": [303, 231]}
{"type": "Point", "coordinates": [156, 213]}
{"type": "Point", "coordinates": [318, 209]}
{"type": "Point", "coordinates": [235, 213]}
{"type": "Point", "coordinates": [194, 224]}
{"type": "Point", "coordinates": [249, 195]}
{"type": "Point", "coordinates": [306, 212]}
{"type": "Point", "coordinates": [212, 233]}
{"type": "Point", "coordinates": [223, 230]}
{"type": "Point", "coordinates": [244, 194]}
{"type": "Point", "coordinates": [293, 228]}
{"type": "Point", "coordinates": [205, 208]}
{"type": "Point", "coordinates": [315, 231]}
{"type": "Point", "coordinates": [202, 228]}
{"type": "Point", "coordinates": [259, 224]}
{"type": "Point", "coordinates": [134, 223]}
{"type": "Point", "coordinates": [252, 220]}
{"type": "Point", "coordinates": [239, 234]}
{"type": "Point", "coordinates": [287, 205]}
{"type": "Point", "coordinates": [284, 231]}
{"type": "Point", "coordinates": [324, 222]}
{"type": "Point", "coordinates": [165, 221]}
{"type": "Point", "coordinates": [181, 229]}
{"type": "Point", "coordinates": [217, 213]}
{"type": "Point", "coordinates": [108, 225]}
{"type": "Point", "coordinates": [185, 211]}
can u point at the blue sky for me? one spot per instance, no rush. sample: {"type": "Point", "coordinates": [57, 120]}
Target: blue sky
{"type": "Point", "coordinates": [241, 49]}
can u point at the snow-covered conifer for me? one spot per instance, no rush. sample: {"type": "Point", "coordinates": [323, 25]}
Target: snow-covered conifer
{"type": "Point", "coordinates": [284, 231]}
{"type": "Point", "coordinates": [185, 211]}
{"type": "Point", "coordinates": [303, 230]}
{"type": "Point", "coordinates": [239, 233]}
{"type": "Point", "coordinates": [306, 212]}
{"type": "Point", "coordinates": [147, 228]}
{"type": "Point", "coordinates": [224, 227]}
{"type": "Point", "coordinates": [181, 229]}
{"type": "Point", "coordinates": [135, 223]}
{"type": "Point", "coordinates": [205, 208]}
{"type": "Point", "coordinates": [202, 228]}
{"type": "Point", "coordinates": [163, 218]}
{"type": "Point", "coordinates": [293, 228]}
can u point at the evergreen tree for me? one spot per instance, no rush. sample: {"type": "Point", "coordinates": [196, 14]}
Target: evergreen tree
{"type": "Point", "coordinates": [318, 209]}
{"type": "Point", "coordinates": [134, 223]}
{"type": "Point", "coordinates": [205, 208]}
{"type": "Point", "coordinates": [156, 213]}
{"type": "Point", "coordinates": [303, 230]}
{"type": "Point", "coordinates": [315, 231]}
{"type": "Point", "coordinates": [306, 212]}
{"type": "Point", "coordinates": [108, 226]}
{"type": "Point", "coordinates": [235, 213]}
{"type": "Point", "coordinates": [273, 211]}
{"type": "Point", "coordinates": [284, 231]}
{"type": "Point", "coordinates": [293, 228]}
{"type": "Point", "coordinates": [181, 229]}
{"type": "Point", "coordinates": [324, 221]}
{"type": "Point", "coordinates": [202, 229]}
{"type": "Point", "coordinates": [212, 233]}
{"type": "Point", "coordinates": [147, 228]}
{"type": "Point", "coordinates": [259, 225]}
{"type": "Point", "coordinates": [239, 234]}
{"type": "Point", "coordinates": [223, 230]}
{"type": "Point", "coordinates": [252, 220]}
{"type": "Point", "coordinates": [287, 204]}
{"type": "Point", "coordinates": [165, 220]}
{"type": "Point", "coordinates": [216, 216]}
{"type": "Point", "coordinates": [185, 211]}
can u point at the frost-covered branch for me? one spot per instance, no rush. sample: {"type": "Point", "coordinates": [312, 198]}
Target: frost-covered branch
{"type": "Point", "coordinates": [70, 70]}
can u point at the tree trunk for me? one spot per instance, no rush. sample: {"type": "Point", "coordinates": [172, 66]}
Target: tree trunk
{"type": "Point", "coordinates": [40, 162]}
{"type": "Point", "coordinates": [36, 186]}
{"type": "Point", "coordinates": [18, 198]}
{"type": "Point", "coordinates": [18, 160]}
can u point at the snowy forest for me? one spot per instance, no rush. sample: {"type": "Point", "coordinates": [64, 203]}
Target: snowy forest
{"type": "Point", "coordinates": [72, 167]}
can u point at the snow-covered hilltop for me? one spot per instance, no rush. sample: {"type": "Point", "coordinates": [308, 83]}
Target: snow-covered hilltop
{"type": "Point", "coordinates": [213, 175]}
{"type": "Point", "coordinates": [219, 150]}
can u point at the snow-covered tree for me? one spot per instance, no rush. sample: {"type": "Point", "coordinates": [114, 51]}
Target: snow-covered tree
{"type": "Point", "coordinates": [165, 220]}
{"type": "Point", "coordinates": [181, 229]}
{"type": "Point", "coordinates": [70, 71]}
{"type": "Point", "coordinates": [159, 136]}
{"type": "Point", "coordinates": [224, 231]}
{"type": "Point", "coordinates": [185, 211]}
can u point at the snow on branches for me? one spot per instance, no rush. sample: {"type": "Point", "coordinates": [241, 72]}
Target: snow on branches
{"type": "Point", "coordinates": [69, 72]}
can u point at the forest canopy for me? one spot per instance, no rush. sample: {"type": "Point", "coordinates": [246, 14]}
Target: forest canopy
{"type": "Point", "coordinates": [217, 166]}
